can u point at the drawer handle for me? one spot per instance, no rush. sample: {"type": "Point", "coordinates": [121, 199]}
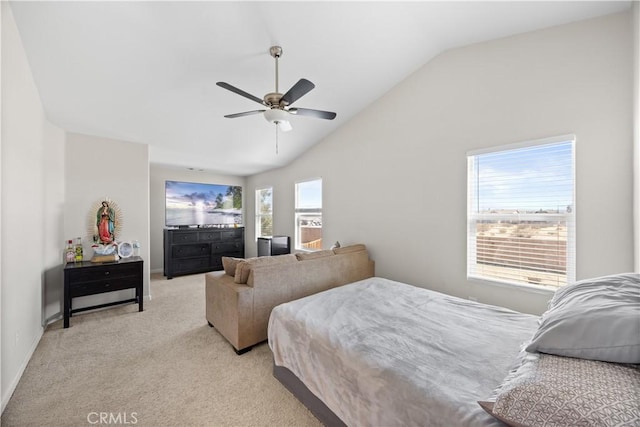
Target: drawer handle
{"type": "Point", "coordinates": [107, 285]}
{"type": "Point", "coordinates": [106, 273]}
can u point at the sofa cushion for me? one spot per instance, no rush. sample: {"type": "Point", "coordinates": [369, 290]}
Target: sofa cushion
{"type": "Point", "coordinates": [244, 267]}
{"type": "Point", "coordinates": [302, 256]}
{"type": "Point", "coordinates": [229, 264]}
{"type": "Point", "coordinates": [349, 249]}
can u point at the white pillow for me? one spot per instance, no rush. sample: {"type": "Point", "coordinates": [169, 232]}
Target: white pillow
{"type": "Point", "coordinates": [596, 319]}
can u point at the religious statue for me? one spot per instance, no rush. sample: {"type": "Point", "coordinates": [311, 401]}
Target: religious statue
{"type": "Point", "coordinates": [106, 222]}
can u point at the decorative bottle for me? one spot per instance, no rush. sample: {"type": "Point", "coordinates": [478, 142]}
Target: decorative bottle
{"type": "Point", "coordinates": [70, 252]}
{"type": "Point", "coordinates": [78, 249]}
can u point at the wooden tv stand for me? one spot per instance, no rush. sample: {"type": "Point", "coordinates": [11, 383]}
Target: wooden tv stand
{"type": "Point", "coordinates": [198, 250]}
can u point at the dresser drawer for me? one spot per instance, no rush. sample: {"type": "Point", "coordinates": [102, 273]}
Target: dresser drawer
{"type": "Point", "coordinates": [100, 272]}
{"type": "Point", "coordinates": [233, 246]}
{"type": "Point", "coordinates": [101, 286]}
{"type": "Point", "coordinates": [186, 251]}
{"type": "Point", "coordinates": [184, 237]}
{"type": "Point", "coordinates": [235, 233]}
{"type": "Point", "coordinates": [208, 236]}
{"type": "Point", "coordinates": [190, 265]}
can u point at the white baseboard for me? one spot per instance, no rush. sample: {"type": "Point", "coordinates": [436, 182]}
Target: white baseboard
{"type": "Point", "coordinates": [12, 387]}
{"type": "Point", "coordinates": [53, 318]}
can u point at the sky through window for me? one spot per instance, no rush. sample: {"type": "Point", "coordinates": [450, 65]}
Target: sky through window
{"type": "Point", "coordinates": [531, 179]}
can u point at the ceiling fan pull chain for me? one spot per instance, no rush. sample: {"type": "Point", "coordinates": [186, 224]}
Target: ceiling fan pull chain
{"type": "Point", "coordinates": [276, 138]}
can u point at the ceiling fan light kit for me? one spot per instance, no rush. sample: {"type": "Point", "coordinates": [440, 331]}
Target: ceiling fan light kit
{"type": "Point", "coordinates": [275, 115]}
{"type": "Point", "coordinates": [278, 117]}
{"type": "Point", "coordinates": [278, 110]}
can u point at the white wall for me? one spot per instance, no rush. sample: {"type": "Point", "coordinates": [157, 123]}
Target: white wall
{"type": "Point", "coordinates": [159, 174]}
{"type": "Point", "coordinates": [2, 25]}
{"type": "Point", "coordinates": [99, 168]}
{"type": "Point", "coordinates": [54, 200]}
{"type": "Point", "coordinates": [394, 177]}
{"type": "Point", "coordinates": [32, 197]}
{"type": "Point", "coordinates": [636, 128]}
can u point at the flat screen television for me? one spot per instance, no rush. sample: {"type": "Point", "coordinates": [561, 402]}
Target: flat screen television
{"type": "Point", "coordinates": [200, 204]}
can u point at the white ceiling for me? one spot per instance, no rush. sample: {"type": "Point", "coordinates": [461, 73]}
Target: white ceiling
{"type": "Point", "coordinates": [146, 71]}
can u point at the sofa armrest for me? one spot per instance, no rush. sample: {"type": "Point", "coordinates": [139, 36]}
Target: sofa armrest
{"type": "Point", "coordinates": [229, 308]}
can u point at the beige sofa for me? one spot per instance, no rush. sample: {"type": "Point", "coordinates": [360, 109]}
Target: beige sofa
{"type": "Point", "coordinates": [240, 298]}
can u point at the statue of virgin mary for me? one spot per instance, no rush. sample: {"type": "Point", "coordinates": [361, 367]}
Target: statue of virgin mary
{"type": "Point", "coordinates": [106, 222]}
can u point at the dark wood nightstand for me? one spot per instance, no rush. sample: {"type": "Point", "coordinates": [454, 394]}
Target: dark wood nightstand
{"type": "Point", "coordinates": [87, 278]}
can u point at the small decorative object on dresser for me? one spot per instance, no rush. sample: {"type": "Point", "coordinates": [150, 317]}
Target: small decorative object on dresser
{"type": "Point", "coordinates": [104, 221]}
{"type": "Point", "coordinates": [125, 249]}
{"type": "Point", "coordinates": [70, 252]}
{"type": "Point", "coordinates": [104, 253]}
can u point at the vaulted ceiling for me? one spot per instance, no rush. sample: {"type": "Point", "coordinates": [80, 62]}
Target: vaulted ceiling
{"type": "Point", "coordinates": [146, 72]}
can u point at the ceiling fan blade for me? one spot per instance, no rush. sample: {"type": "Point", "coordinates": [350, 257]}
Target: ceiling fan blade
{"type": "Point", "coordinates": [285, 126]}
{"type": "Point", "coordinates": [318, 114]}
{"type": "Point", "coordinates": [298, 90]}
{"type": "Point", "coordinates": [246, 113]}
{"type": "Point", "coordinates": [240, 92]}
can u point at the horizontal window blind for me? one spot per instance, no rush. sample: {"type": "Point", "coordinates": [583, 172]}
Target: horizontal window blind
{"type": "Point", "coordinates": [308, 213]}
{"type": "Point", "coordinates": [264, 212]}
{"type": "Point", "coordinates": [521, 213]}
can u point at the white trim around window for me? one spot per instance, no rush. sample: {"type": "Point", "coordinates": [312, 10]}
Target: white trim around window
{"type": "Point", "coordinates": [521, 227]}
{"type": "Point", "coordinates": [308, 215]}
{"type": "Point", "coordinates": [264, 212]}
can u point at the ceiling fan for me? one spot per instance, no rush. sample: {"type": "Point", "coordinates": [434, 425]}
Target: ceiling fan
{"type": "Point", "coordinates": [278, 106]}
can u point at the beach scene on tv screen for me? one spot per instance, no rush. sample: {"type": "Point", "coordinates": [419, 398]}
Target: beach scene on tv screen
{"type": "Point", "coordinates": [191, 203]}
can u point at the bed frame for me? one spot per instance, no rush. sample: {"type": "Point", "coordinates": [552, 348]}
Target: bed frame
{"type": "Point", "coordinates": [308, 399]}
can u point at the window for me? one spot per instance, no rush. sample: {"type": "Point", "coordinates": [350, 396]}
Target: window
{"type": "Point", "coordinates": [521, 213]}
{"type": "Point", "coordinates": [309, 215]}
{"type": "Point", "coordinates": [264, 212]}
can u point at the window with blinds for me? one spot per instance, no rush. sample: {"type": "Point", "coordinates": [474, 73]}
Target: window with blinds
{"type": "Point", "coordinates": [264, 212]}
{"type": "Point", "coordinates": [308, 236]}
{"type": "Point", "coordinates": [521, 213]}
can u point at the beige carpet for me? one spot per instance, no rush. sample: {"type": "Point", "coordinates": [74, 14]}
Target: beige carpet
{"type": "Point", "coordinates": [162, 367]}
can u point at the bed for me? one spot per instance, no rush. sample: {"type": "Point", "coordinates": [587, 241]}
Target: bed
{"type": "Point", "coordinates": [383, 353]}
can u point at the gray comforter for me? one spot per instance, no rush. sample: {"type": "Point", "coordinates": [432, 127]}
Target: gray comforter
{"type": "Point", "coordinates": [384, 353]}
